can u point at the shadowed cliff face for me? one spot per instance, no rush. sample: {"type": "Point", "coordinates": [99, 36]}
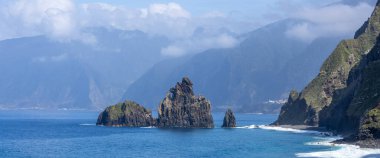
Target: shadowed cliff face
{"type": "Point", "coordinates": [331, 85]}
{"type": "Point", "coordinates": [180, 108]}
{"type": "Point", "coordinates": [353, 109]}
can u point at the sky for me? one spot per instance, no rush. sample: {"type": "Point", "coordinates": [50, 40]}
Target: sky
{"type": "Point", "coordinates": [199, 7]}
{"type": "Point", "coordinates": [179, 20]}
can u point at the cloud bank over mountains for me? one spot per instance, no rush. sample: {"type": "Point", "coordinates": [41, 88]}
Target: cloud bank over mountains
{"type": "Point", "coordinates": [66, 20]}
{"type": "Point", "coordinates": [332, 20]}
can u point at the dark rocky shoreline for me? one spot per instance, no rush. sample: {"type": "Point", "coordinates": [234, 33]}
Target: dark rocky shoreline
{"type": "Point", "coordinates": [369, 143]}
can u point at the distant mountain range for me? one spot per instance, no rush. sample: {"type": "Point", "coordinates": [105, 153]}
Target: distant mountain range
{"type": "Point", "coordinates": [37, 72]}
{"type": "Point", "coordinates": [254, 76]}
{"type": "Point", "coordinates": [264, 66]}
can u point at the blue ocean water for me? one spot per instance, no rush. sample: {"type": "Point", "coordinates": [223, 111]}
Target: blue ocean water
{"type": "Point", "coordinates": [74, 134]}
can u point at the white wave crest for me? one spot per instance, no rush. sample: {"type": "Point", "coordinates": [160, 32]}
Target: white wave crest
{"type": "Point", "coordinates": [149, 127]}
{"type": "Point", "coordinates": [283, 129]}
{"type": "Point", "coordinates": [87, 124]}
{"type": "Point", "coordinates": [249, 127]}
{"type": "Point", "coordinates": [292, 130]}
{"type": "Point", "coordinates": [325, 139]}
{"type": "Point", "coordinates": [343, 151]}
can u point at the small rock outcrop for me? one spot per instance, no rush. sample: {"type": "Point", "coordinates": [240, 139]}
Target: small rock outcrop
{"type": "Point", "coordinates": [229, 120]}
{"type": "Point", "coordinates": [181, 109]}
{"type": "Point", "coordinates": [128, 113]}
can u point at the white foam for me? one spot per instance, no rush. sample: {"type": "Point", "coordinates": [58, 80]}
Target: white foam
{"type": "Point", "coordinates": [276, 128]}
{"type": "Point", "coordinates": [149, 127]}
{"type": "Point", "coordinates": [283, 129]}
{"type": "Point", "coordinates": [343, 151]}
{"type": "Point", "coordinates": [325, 141]}
{"type": "Point", "coordinates": [249, 127]}
{"type": "Point", "coordinates": [87, 124]}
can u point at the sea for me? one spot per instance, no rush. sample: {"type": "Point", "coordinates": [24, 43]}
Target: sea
{"type": "Point", "coordinates": [65, 133]}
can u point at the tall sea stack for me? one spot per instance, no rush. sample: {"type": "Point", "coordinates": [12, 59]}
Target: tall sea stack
{"type": "Point", "coordinates": [182, 109]}
{"type": "Point", "coordinates": [229, 120]}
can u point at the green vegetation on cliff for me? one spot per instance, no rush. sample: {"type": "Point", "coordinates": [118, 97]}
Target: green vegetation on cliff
{"type": "Point", "coordinates": [345, 96]}
{"type": "Point", "coordinates": [334, 74]}
{"type": "Point", "coordinates": [127, 113]}
{"type": "Point", "coordinates": [370, 126]}
{"type": "Point", "coordinates": [179, 109]}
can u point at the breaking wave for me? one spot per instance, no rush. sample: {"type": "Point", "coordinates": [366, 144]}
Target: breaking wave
{"type": "Point", "coordinates": [149, 127]}
{"type": "Point", "coordinates": [249, 127]}
{"type": "Point", "coordinates": [343, 150]}
{"type": "Point", "coordinates": [338, 150]}
{"type": "Point", "coordinates": [284, 129]}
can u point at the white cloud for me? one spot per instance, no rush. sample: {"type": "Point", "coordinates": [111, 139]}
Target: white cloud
{"type": "Point", "coordinates": [43, 59]}
{"type": "Point", "coordinates": [27, 18]}
{"type": "Point", "coordinates": [172, 10]}
{"type": "Point", "coordinates": [64, 20]}
{"type": "Point", "coordinates": [302, 31]}
{"type": "Point", "coordinates": [198, 44]}
{"type": "Point", "coordinates": [164, 19]}
{"type": "Point", "coordinates": [225, 41]}
{"type": "Point", "coordinates": [173, 51]}
{"type": "Point", "coordinates": [332, 20]}
{"type": "Point", "coordinates": [59, 23]}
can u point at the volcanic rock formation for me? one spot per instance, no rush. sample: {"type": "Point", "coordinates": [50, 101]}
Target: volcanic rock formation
{"type": "Point", "coordinates": [229, 120]}
{"type": "Point", "coordinates": [182, 109]}
{"type": "Point", "coordinates": [128, 114]}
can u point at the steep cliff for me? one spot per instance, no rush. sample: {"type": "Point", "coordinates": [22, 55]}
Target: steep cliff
{"type": "Point", "coordinates": [355, 112]}
{"type": "Point", "coordinates": [128, 114]}
{"type": "Point", "coordinates": [182, 109]}
{"type": "Point", "coordinates": [330, 87]}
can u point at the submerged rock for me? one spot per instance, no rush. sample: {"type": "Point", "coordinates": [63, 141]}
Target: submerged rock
{"type": "Point", "coordinates": [128, 114]}
{"type": "Point", "coordinates": [229, 119]}
{"type": "Point", "coordinates": [181, 109]}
